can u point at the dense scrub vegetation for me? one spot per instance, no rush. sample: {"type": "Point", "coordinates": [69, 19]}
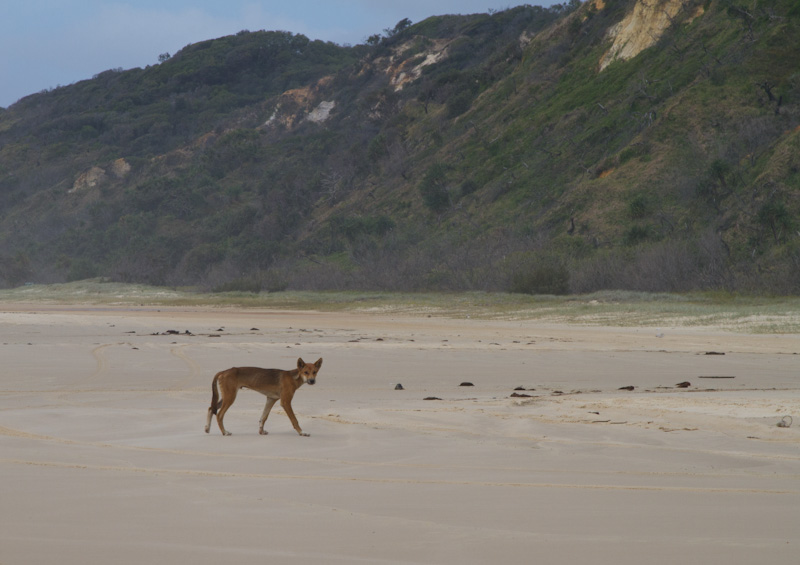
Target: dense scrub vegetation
{"type": "Point", "coordinates": [482, 152]}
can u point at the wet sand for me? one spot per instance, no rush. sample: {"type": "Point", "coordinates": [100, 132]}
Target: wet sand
{"type": "Point", "coordinates": [104, 459]}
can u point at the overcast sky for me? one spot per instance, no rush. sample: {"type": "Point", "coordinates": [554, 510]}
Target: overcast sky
{"type": "Point", "coordinates": [49, 43]}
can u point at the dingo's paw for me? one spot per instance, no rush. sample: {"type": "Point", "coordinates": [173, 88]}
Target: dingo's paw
{"type": "Point", "coordinates": [263, 432]}
{"type": "Point", "coordinates": [226, 433]}
{"type": "Point", "coordinates": [304, 434]}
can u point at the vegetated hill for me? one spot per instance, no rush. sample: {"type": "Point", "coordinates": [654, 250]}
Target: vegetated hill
{"type": "Point", "coordinates": [613, 144]}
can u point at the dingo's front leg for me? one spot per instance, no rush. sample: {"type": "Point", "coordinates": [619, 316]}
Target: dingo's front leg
{"type": "Point", "coordinates": [287, 406]}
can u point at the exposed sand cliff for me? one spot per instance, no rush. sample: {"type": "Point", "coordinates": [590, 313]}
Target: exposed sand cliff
{"type": "Point", "coordinates": [644, 26]}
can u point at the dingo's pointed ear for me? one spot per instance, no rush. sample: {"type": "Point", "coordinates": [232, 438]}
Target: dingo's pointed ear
{"type": "Point", "coordinates": [300, 363]}
{"type": "Point", "coordinates": [318, 364]}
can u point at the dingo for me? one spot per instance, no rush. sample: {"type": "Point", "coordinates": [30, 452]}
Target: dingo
{"type": "Point", "coordinates": [275, 384]}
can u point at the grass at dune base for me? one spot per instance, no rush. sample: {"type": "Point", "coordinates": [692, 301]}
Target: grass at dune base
{"type": "Point", "coordinates": [779, 315]}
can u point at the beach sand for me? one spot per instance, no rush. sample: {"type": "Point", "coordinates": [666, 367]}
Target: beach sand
{"type": "Point", "coordinates": [103, 456]}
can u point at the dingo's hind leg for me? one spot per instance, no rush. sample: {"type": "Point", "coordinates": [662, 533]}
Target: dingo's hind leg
{"type": "Point", "coordinates": [227, 401]}
{"type": "Point", "coordinates": [208, 418]}
{"type": "Point", "coordinates": [211, 411]}
{"type": "Point", "coordinates": [228, 387]}
{"type": "Point", "coordinates": [265, 415]}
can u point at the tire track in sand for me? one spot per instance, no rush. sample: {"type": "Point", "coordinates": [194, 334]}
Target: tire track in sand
{"type": "Point", "coordinates": [195, 369]}
{"type": "Point", "coordinates": [101, 368]}
{"type": "Point", "coordinates": [393, 480]}
{"type": "Point", "coordinates": [393, 464]}
{"type": "Point", "coordinates": [102, 364]}
{"type": "Point", "coordinates": [11, 432]}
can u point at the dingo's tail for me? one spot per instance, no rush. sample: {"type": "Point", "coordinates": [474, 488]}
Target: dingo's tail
{"type": "Point", "coordinates": [214, 395]}
{"type": "Point", "coordinates": [214, 402]}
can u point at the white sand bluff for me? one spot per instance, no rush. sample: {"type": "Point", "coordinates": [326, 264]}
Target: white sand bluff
{"type": "Point", "coordinates": [643, 27]}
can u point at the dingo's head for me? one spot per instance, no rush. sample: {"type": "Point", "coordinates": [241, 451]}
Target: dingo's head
{"type": "Point", "coordinates": [308, 371]}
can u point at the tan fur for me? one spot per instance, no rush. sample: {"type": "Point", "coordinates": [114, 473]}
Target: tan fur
{"type": "Point", "coordinates": [275, 384]}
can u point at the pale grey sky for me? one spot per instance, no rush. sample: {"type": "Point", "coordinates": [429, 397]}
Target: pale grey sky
{"type": "Point", "coordinates": [49, 43]}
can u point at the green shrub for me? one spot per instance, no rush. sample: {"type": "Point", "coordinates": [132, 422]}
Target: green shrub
{"type": "Point", "coordinates": [548, 277]}
{"type": "Point", "coordinates": [376, 150]}
{"type": "Point", "coordinates": [775, 216]}
{"type": "Point", "coordinates": [640, 150]}
{"type": "Point", "coordinates": [459, 104]}
{"type": "Point", "coordinates": [639, 206]}
{"type": "Point", "coordinates": [638, 234]}
{"type": "Point", "coordinates": [433, 188]}
{"type": "Point", "coordinates": [273, 281]}
{"type": "Point", "coordinates": [468, 187]}
{"type": "Point", "coordinates": [80, 269]}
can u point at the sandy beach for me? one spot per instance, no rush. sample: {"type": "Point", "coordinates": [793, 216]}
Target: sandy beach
{"type": "Point", "coordinates": [104, 458]}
